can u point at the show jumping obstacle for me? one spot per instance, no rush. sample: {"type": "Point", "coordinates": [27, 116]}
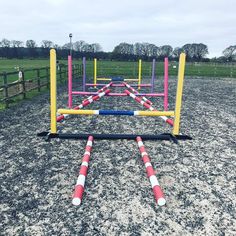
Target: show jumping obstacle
{"type": "Point", "coordinates": [106, 90]}
{"type": "Point", "coordinates": [118, 79]}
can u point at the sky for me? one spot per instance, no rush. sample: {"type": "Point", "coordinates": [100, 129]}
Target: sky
{"type": "Point", "coordinates": [107, 22]}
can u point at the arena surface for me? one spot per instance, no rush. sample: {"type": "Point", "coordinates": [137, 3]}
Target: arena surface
{"type": "Point", "coordinates": [197, 176]}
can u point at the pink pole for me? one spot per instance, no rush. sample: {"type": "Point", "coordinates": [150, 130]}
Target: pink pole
{"type": "Point", "coordinates": [69, 81]}
{"type": "Point", "coordinates": [79, 187]}
{"type": "Point", "coordinates": [121, 85]}
{"type": "Point", "coordinates": [158, 193]}
{"type": "Point", "coordinates": [118, 94]}
{"type": "Point", "coordinates": [166, 85]}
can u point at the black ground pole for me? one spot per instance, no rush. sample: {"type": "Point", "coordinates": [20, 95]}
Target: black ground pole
{"type": "Point", "coordinates": [164, 136]}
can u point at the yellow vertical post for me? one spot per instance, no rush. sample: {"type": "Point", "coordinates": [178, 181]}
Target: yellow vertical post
{"type": "Point", "coordinates": [53, 91]}
{"type": "Point", "coordinates": [95, 72]}
{"type": "Point", "coordinates": [179, 93]}
{"type": "Point", "coordinates": [139, 72]}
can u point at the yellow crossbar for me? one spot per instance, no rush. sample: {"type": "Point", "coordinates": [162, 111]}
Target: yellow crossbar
{"type": "Point", "coordinates": [76, 112]}
{"type": "Point", "coordinates": [130, 79]}
{"type": "Point", "coordinates": [156, 113]}
{"type": "Point", "coordinates": [106, 79]}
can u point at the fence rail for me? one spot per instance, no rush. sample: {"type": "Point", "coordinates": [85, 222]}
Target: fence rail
{"type": "Point", "coordinates": [18, 84]}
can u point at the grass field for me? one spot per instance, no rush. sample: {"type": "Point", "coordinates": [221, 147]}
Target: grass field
{"type": "Point", "coordinates": [9, 65]}
{"type": "Point", "coordinates": [111, 68]}
{"type": "Point", "coordinates": [129, 69]}
{"type": "Point", "coordinates": [108, 69]}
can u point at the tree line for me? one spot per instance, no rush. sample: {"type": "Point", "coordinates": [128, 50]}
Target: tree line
{"type": "Point", "coordinates": [123, 51]}
{"type": "Point", "coordinates": [30, 49]}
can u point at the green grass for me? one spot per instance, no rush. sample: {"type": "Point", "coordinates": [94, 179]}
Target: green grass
{"type": "Point", "coordinates": [10, 65]}
{"type": "Point", "coordinates": [112, 68]}
{"type": "Point", "coordinates": [130, 69]}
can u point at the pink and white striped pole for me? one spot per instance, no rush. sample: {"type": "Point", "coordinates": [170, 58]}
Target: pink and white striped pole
{"type": "Point", "coordinates": [136, 92]}
{"type": "Point", "coordinates": [148, 106]}
{"type": "Point", "coordinates": [79, 187]}
{"type": "Point", "coordinates": [158, 193]}
{"type": "Point", "coordinates": [166, 84]}
{"type": "Point", "coordinates": [85, 103]}
{"type": "Point", "coordinates": [69, 81]}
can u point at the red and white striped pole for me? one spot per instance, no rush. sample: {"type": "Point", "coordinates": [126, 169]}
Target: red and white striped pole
{"type": "Point", "coordinates": [85, 103]}
{"type": "Point", "coordinates": [79, 187]}
{"type": "Point", "coordinates": [101, 90]}
{"type": "Point", "coordinates": [148, 106]}
{"type": "Point", "coordinates": [136, 92]}
{"type": "Point", "coordinates": [88, 101]}
{"type": "Point", "coordinates": [158, 193]}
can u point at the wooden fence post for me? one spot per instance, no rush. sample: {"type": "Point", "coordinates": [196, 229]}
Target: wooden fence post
{"type": "Point", "coordinates": [81, 70]}
{"type": "Point", "coordinates": [5, 89]}
{"type": "Point", "coordinates": [60, 75]}
{"type": "Point", "coordinates": [23, 84]}
{"type": "Point", "coordinates": [65, 73]}
{"type": "Point", "coordinates": [38, 80]}
{"type": "Point", "coordinates": [47, 77]}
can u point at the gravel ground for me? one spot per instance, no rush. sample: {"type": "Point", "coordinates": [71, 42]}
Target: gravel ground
{"type": "Point", "coordinates": [197, 176]}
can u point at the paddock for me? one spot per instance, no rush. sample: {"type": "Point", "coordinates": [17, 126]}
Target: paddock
{"type": "Point", "coordinates": [197, 177]}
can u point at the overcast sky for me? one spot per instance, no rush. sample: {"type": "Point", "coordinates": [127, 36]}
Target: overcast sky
{"type": "Point", "coordinates": [173, 22]}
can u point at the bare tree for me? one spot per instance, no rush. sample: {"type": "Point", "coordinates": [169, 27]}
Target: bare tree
{"type": "Point", "coordinates": [230, 53]}
{"type": "Point", "coordinates": [176, 52]}
{"type": "Point", "coordinates": [17, 43]}
{"type": "Point", "coordinates": [124, 48]}
{"type": "Point", "coordinates": [31, 44]}
{"type": "Point", "coordinates": [166, 50]}
{"type": "Point", "coordinates": [56, 46]}
{"type": "Point", "coordinates": [6, 43]}
{"type": "Point", "coordinates": [79, 45]}
{"type": "Point", "coordinates": [188, 49]}
{"type": "Point", "coordinates": [200, 50]}
{"type": "Point", "coordinates": [47, 44]}
{"type": "Point", "coordinates": [195, 51]}
{"type": "Point", "coordinates": [152, 50]}
{"type": "Point", "coordinates": [66, 46]}
{"type": "Point", "coordinates": [138, 49]}
{"type": "Point", "coordinates": [96, 47]}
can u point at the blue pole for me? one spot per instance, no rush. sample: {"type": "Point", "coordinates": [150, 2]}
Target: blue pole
{"type": "Point", "coordinates": [116, 112]}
